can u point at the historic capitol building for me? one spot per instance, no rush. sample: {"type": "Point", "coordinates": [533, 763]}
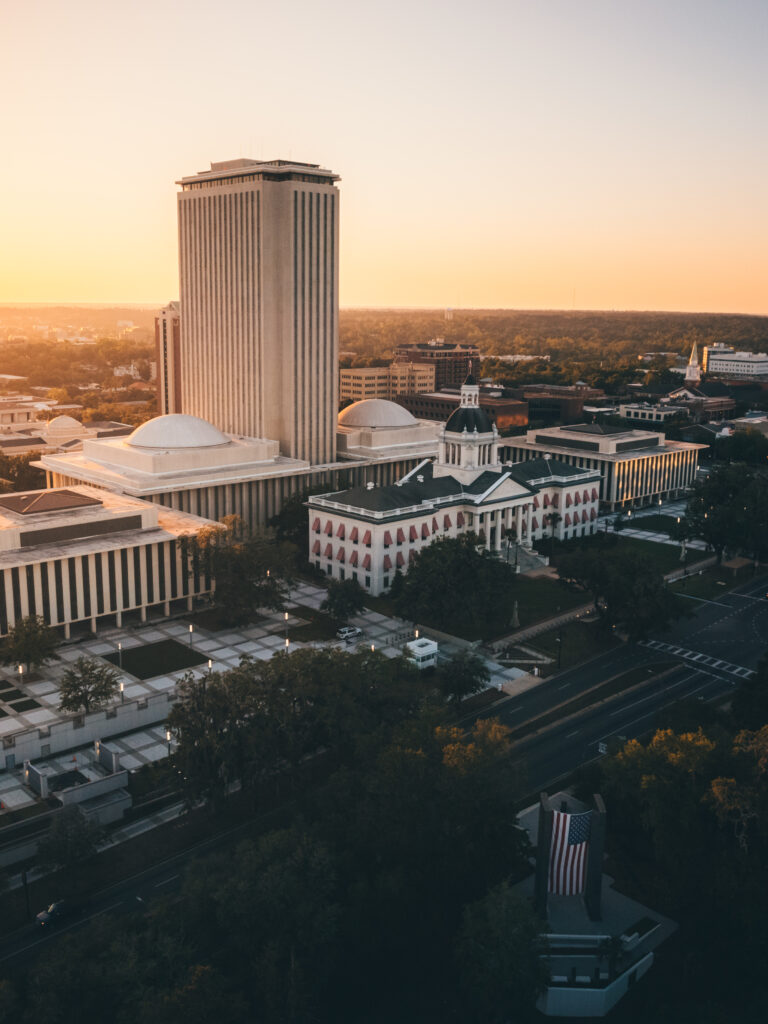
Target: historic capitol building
{"type": "Point", "coordinates": [248, 372]}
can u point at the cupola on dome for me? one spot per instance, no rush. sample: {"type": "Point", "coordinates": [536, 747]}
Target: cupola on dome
{"type": "Point", "coordinates": [177, 430]}
{"type": "Point", "coordinates": [469, 419]}
{"type": "Point", "coordinates": [376, 412]}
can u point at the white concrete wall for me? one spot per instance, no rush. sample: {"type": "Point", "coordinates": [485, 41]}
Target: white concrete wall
{"type": "Point", "coordinates": [62, 736]}
{"type": "Point", "coordinates": [585, 1001]}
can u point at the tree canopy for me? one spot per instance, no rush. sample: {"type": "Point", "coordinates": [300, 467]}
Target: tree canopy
{"type": "Point", "coordinates": [30, 642]}
{"type": "Point", "coordinates": [251, 569]}
{"type": "Point", "coordinates": [452, 586]}
{"type": "Point", "coordinates": [89, 685]}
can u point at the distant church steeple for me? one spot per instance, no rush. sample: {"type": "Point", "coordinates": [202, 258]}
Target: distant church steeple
{"type": "Point", "coordinates": [693, 370]}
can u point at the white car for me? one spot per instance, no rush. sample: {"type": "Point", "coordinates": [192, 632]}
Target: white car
{"type": "Point", "coordinates": [348, 633]}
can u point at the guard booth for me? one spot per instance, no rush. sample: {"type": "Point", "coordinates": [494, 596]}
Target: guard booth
{"type": "Point", "coordinates": [422, 652]}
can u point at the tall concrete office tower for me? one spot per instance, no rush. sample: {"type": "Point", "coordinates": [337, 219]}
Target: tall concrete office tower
{"type": "Point", "coordinates": [258, 261]}
{"type": "Point", "coordinates": [168, 356]}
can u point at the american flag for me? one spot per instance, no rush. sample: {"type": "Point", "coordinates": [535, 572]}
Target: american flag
{"type": "Point", "coordinates": [568, 852]}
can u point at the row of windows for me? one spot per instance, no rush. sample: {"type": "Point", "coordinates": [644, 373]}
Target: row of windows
{"type": "Point", "coordinates": [83, 587]}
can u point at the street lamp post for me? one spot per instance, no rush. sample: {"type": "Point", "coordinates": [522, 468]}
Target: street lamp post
{"type": "Point", "coordinates": [120, 654]}
{"type": "Point", "coordinates": [168, 740]}
{"type": "Point", "coordinates": [191, 631]}
{"type": "Point", "coordinates": [122, 692]}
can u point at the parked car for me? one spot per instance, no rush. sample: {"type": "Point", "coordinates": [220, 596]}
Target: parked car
{"type": "Point", "coordinates": [55, 913]}
{"type": "Point", "coordinates": [348, 633]}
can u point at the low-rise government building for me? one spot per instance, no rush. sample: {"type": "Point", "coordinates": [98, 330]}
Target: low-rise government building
{"type": "Point", "coordinates": [186, 463]}
{"type": "Point", "coordinates": [81, 554]}
{"type": "Point", "coordinates": [369, 533]}
{"type": "Point", "coordinates": [636, 467]}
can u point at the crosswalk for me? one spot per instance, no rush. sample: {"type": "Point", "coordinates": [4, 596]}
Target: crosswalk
{"type": "Point", "coordinates": [704, 660]}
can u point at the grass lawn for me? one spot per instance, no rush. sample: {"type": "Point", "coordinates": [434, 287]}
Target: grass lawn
{"type": "Point", "coordinates": [212, 620]}
{"type": "Point", "coordinates": [383, 605]}
{"type": "Point", "coordinates": [654, 523]}
{"type": "Point", "coordinates": [157, 659]}
{"type": "Point", "coordinates": [537, 597]}
{"type": "Point", "coordinates": [665, 557]}
{"type": "Point", "coordinates": [580, 641]}
{"type": "Point", "coordinates": [711, 582]}
{"type": "Point", "coordinates": [318, 626]}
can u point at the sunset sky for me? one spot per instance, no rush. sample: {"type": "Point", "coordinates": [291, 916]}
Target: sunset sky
{"type": "Point", "coordinates": [600, 154]}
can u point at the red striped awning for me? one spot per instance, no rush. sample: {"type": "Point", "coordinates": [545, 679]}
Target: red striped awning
{"type": "Point", "coordinates": [316, 548]}
{"type": "Point", "coordinates": [387, 538]}
{"type": "Point", "coordinates": [593, 514]}
{"type": "Point", "coordinates": [413, 533]}
{"type": "Point", "coordinates": [367, 537]}
{"type": "Point", "coordinates": [567, 520]}
{"type": "Point", "coordinates": [568, 501]}
{"type": "Point", "coordinates": [367, 562]}
{"type": "Point", "coordinates": [340, 555]}
{"type": "Point", "coordinates": [340, 532]}
{"type": "Point", "coordinates": [424, 531]}
{"type": "Point", "coordinates": [316, 526]}
{"type": "Point", "coordinates": [387, 563]}
{"type": "Point", "coordinates": [459, 518]}
{"type": "Point", "coordinates": [353, 535]}
{"type": "Point", "coordinates": [555, 500]}
{"type": "Point", "coordinates": [434, 525]}
{"type": "Point", "coordinates": [576, 498]}
{"type": "Point", "coordinates": [536, 502]}
{"type": "Point", "coordinates": [400, 535]}
{"type": "Point", "coordinates": [585, 496]}
{"type": "Point", "coordinates": [353, 558]}
{"type": "Point", "coordinates": [546, 501]}
{"type": "Point", "coordinates": [329, 550]}
{"type": "Point", "coordinates": [329, 528]}
{"type": "Point", "coordinates": [400, 561]}
{"type": "Point", "coordinates": [534, 523]}
{"type": "Point", "coordinates": [446, 522]}
{"type": "Point", "coordinates": [594, 494]}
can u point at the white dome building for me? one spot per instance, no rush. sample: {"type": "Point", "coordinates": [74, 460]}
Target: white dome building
{"type": "Point", "coordinates": [187, 463]}
{"type": "Point", "coordinates": [376, 413]}
{"type": "Point", "coordinates": [62, 429]}
{"type": "Point", "coordinates": [375, 427]}
{"type": "Point", "coordinates": [176, 431]}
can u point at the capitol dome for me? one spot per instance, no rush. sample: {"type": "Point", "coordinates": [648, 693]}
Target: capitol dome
{"type": "Point", "coordinates": [64, 424]}
{"type": "Point", "coordinates": [177, 430]}
{"type": "Point", "coordinates": [376, 412]}
{"type": "Point", "coordinates": [469, 418]}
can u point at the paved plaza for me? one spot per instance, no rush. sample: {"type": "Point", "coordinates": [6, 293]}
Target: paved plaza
{"type": "Point", "coordinates": [34, 702]}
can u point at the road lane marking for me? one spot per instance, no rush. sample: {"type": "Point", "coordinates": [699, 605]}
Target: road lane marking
{"type": "Point", "coordinates": [165, 881]}
{"type": "Point", "coordinates": [571, 734]}
{"type": "Point", "coordinates": [98, 913]}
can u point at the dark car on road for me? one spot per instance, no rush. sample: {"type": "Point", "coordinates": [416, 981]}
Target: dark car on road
{"type": "Point", "coordinates": [56, 912]}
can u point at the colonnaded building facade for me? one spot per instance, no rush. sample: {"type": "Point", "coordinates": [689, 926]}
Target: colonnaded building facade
{"type": "Point", "coordinates": [80, 554]}
{"type": "Point", "coordinates": [636, 467]}
{"type": "Point", "coordinates": [187, 463]}
{"type": "Point", "coordinates": [369, 533]}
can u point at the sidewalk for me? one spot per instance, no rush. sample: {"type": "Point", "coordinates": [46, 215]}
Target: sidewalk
{"type": "Point", "coordinates": [543, 626]}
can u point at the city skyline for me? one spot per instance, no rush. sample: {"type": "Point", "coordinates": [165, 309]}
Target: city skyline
{"type": "Point", "coordinates": [592, 156]}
